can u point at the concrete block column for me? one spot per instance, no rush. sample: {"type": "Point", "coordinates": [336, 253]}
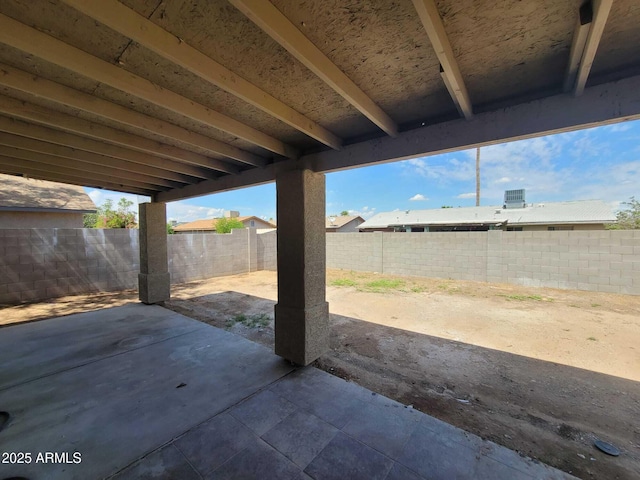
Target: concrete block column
{"type": "Point", "coordinates": [153, 280]}
{"type": "Point", "coordinates": [302, 313]}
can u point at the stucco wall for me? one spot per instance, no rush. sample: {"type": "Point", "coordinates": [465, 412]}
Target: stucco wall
{"type": "Point", "coordinates": [40, 220]}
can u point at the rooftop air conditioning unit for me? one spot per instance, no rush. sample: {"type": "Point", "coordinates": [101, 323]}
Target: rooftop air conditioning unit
{"type": "Point", "coordinates": [514, 198]}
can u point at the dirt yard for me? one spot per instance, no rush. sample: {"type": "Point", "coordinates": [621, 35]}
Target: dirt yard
{"type": "Point", "coordinates": [541, 371]}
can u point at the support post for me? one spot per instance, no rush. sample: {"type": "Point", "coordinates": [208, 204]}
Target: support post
{"type": "Point", "coordinates": [302, 313]}
{"type": "Point", "coordinates": [153, 279]}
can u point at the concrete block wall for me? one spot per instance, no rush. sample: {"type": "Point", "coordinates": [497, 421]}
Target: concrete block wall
{"type": "Point", "coordinates": [36, 264]}
{"type": "Point", "coordinates": [355, 251]}
{"type": "Point", "coordinates": [43, 263]}
{"type": "Point", "coordinates": [267, 258]}
{"type": "Point", "coordinates": [461, 255]}
{"type": "Point", "coordinates": [197, 256]}
{"type": "Point", "coordinates": [605, 260]}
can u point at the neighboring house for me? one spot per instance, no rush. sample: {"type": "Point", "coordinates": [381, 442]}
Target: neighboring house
{"type": "Point", "coordinates": [343, 223]}
{"type": "Point", "coordinates": [209, 225]}
{"type": "Point", "coordinates": [577, 215]}
{"type": "Point", "coordinates": [28, 203]}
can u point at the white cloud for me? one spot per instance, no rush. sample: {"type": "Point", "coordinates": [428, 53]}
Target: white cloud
{"type": "Point", "coordinates": [503, 180]}
{"type": "Point", "coordinates": [418, 197]}
{"type": "Point", "coordinates": [467, 195]}
{"type": "Point", "coordinates": [365, 212]}
{"type": "Point", "coordinates": [184, 212]}
{"type": "Point", "coordinates": [100, 196]}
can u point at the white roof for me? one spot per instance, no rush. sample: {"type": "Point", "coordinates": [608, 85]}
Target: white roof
{"type": "Point", "coordinates": [582, 211]}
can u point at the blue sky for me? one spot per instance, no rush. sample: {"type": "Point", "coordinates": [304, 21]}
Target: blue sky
{"type": "Point", "coordinates": [600, 163]}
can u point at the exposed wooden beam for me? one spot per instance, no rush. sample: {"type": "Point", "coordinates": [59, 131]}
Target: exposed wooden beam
{"type": "Point", "coordinates": [60, 121]}
{"type": "Point", "coordinates": [603, 104]}
{"type": "Point", "coordinates": [166, 167]}
{"type": "Point", "coordinates": [34, 42]}
{"type": "Point", "coordinates": [46, 148]}
{"type": "Point", "coordinates": [585, 56]}
{"type": "Point", "coordinates": [26, 164]}
{"type": "Point", "coordinates": [48, 90]}
{"type": "Point", "coordinates": [126, 178]}
{"type": "Point", "coordinates": [7, 166]}
{"type": "Point", "coordinates": [129, 23]}
{"type": "Point", "coordinates": [430, 17]}
{"type": "Point", "coordinates": [264, 14]}
{"type": "Point", "coordinates": [108, 149]}
{"type": "Point", "coordinates": [580, 34]}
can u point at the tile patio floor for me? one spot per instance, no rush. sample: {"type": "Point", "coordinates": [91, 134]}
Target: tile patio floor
{"type": "Point", "coordinates": [141, 392]}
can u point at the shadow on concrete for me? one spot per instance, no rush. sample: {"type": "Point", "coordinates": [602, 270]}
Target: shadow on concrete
{"type": "Point", "coordinates": [545, 410]}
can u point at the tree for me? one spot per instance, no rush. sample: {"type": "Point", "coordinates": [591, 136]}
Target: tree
{"type": "Point", "coordinates": [225, 225]}
{"type": "Point", "coordinates": [628, 219]}
{"type": "Point", "coordinates": [107, 217]}
{"type": "Point", "coordinates": [170, 229]}
{"type": "Point", "coordinates": [344, 213]}
{"type": "Point", "coordinates": [446, 206]}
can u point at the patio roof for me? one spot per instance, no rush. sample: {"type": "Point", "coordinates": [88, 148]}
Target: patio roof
{"type": "Point", "coordinates": [182, 98]}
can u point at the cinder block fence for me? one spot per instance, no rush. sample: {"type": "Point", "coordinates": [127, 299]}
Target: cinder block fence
{"type": "Point", "coordinates": [604, 261]}
{"type": "Point", "coordinates": [36, 264]}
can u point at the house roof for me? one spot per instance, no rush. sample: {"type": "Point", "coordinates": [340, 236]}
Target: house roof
{"type": "Point", "coordinates": [209, 223]}
{"type": "Point", "coordinates": [27, 194]}
{"type": "Point", "coordinates": [583, 211]}
{"type": "Point", "coordinates": [342, 220]}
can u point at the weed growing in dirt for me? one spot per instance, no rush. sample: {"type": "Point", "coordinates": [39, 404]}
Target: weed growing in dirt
{"type": "Point", "coordinates": [251, 321]}
{"type": "Point", "coordinates": [593, 339]}
{"type": "Point", "coordinates": [344, 282]}
{"type": "Point", "coordinates": [522, 298]}
{"type": "Point", "coordinates": [384, 285]}
{"type": "Point", "coordinates": [594, 305]}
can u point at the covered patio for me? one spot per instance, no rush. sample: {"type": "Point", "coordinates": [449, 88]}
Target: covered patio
{"type": "Point", "coordinates": [139, 391]}
{"type": "Point", "coordinates": [178, 99]}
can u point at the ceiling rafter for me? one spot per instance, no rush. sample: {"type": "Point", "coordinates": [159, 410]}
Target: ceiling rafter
{"type": "Point", "coordinates": [266, 16]}
{"type": "Point", "coordinates": [129, 23]}
{"type": "Point", "coordinates": [61, 94]}
{"type": "Point", "coordinates": [47, 148]}
{"type": "Point", "coordinates": [34, 113]}
{"type": "Point", "coordinates": [40, 160]}
{"type": "Point", "coordinates": [82, 181]}
{"type": "Point", "coordinates": [451, 75]}
{"type": "Point", "coordinates": [34, 42]}
{"type": "Point", "coordinates": [39, 132]}
{"type": "Point", "coordinates": [35, 164]}
{"type": "Point", "coordinates": [592, 18]}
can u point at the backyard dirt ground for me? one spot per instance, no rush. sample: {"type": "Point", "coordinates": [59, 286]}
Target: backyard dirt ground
{"type": "Point", "coordinates": [541, 371]}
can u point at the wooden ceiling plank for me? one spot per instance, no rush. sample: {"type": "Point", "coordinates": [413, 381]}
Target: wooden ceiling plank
{"type": "Point", "coordinates": [430, 18]}
{"type": "Point", "coordinates": [600, 11]}
{"type": "Point", "coordinates": [13, 165]}
{"type": "Point", "coordinates": [45, 134]}
{"type": "Point", "coordinates": [46, 148]}
{"type": "Point", "coordinates": [42, 88]}
{"type": "Point", "coordinates": [35, 113]}
{"type": "Point", "coordinates": [266, 16]}
{"type": "Point", "coordinates": [104, 170]}
{"type": "Point", "coordinates": [132, 25]}
{"type": "Point", "coordinates": [41, 45]}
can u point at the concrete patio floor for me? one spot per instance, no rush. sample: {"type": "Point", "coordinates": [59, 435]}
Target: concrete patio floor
{"type": "Point", "coordinates": [142, 392]}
